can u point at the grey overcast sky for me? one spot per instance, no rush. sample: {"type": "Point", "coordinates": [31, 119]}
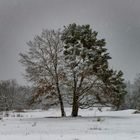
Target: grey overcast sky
{"type": "Point", "coordinates": [118, 21]}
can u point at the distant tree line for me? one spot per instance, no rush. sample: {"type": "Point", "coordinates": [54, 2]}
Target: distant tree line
{"type": "Point", "coordinates": [14, 96]}
{"type": "Point", "coordinates": [132, 98]}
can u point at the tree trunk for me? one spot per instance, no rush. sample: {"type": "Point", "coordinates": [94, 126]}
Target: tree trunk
{"type": "Point", "coordinates": [63, 114]}
{"type": "Point", "coordinates": [75, 106]}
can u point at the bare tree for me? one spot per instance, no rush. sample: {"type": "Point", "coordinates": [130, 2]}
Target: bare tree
{"type": "Point", "coordinates": [43, 64]}
{"type": "Point", "coordinates": [13, 96]}
{"type": "Point", "coordinates": [7, 94]}
{"type": "Point", "coordinates": [132, 99]}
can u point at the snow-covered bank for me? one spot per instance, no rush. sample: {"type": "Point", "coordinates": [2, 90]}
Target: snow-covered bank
{"type": "Point", "coordinates": [47, 125]}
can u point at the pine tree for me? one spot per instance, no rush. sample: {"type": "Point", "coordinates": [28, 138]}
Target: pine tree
{"type": "Point", "coordinates": [114, 87]}
{"type": "Point", "coordinates": [85, 56]}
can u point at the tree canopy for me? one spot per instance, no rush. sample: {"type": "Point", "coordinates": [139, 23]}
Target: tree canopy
{"type": "Point", "coordinates": [74, 63]}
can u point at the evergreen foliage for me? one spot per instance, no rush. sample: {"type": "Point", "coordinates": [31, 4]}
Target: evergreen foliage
{"type": "Point", "coordinates": [92, 82]}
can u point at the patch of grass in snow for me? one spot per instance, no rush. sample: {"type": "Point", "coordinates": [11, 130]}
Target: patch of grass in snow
{"type": "Point", "coordinates": [136, 112]}
{"type": "Point", "coordinates": [95, 128]}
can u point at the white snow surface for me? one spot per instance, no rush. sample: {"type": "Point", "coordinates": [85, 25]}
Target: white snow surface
{"type": "Point", "coordinates": [91, 125]}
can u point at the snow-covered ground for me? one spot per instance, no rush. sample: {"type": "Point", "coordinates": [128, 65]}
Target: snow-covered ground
{"type": "Point", "coordinates": [92, 125]}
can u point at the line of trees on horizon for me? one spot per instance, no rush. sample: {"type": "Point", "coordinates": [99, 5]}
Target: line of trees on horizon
{"type": "Point", "coordinates": [132, 98]}
{"type": "Point", "coordinates": [18, 97]}
{"type": "Point", "coordinates": [14, 96]}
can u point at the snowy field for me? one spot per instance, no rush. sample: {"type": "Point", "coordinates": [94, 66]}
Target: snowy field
{"type": "Point", "coordinates": [92, 125]}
